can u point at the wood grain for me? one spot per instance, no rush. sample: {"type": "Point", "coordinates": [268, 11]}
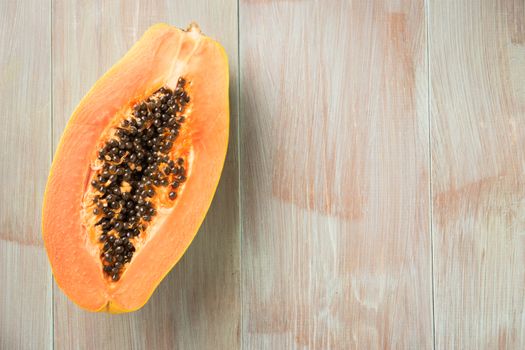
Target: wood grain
{"type": "Point", "coordinates": [335, 175]}
{"type": "Point", "coordinates": [337, 184]}
{"type": "Point", "coordinates": [197, 306]}
{"type": "Point", "coordinates": [25, 142]}
{"type": "Point", "coordinates": [477, 64]}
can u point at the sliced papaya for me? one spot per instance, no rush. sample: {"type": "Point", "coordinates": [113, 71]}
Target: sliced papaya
{"type": "Point", "coordinates": [136, 169]}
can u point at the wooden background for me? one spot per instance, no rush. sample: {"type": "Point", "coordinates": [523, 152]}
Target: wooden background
{"type": "Point", "coordinates": [373, 196]}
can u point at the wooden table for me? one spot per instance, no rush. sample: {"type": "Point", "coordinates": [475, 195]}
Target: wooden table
{"type": "Point", "coordinates": [373, 195]}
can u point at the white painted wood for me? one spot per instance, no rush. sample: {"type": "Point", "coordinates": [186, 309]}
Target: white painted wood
{"type": "Point", "coordinates": [335, 175]}
{"type": "Point", "coordinates": [25, 279]}
{"type": "Point", "coordinates": [197, 306]}
{"type": "Point", "coordinates": [477, 64]}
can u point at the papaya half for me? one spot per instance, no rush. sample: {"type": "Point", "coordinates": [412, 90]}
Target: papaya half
{"type": "Point", "coordinates": [136, 169]}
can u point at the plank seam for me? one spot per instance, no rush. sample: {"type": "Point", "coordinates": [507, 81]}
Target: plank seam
{"type": "Point", "coordinates": [52, 135]}
{"type": "Point", "coordinates": [431, 205]}
{"type": "Point", "coordinates": [239, 185]}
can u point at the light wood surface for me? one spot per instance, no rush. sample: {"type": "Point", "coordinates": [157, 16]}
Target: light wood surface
{"type": "Point", "coordinates": [477, 64]}
{"type": "Point", "coordinates": [25, 154]}
{"type": "Point", "coordinates": [373, 196]}
{"type": "Point", "coordinates": [335, 175]}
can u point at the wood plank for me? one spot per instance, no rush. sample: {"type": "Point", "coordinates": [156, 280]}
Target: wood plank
{"type": "Point", "coordinates": [25, 292]}
{"type": "Point", "coordinates": [335, 175]}
{"type": "Point", "coordinates": [25, 279]}
{"type": "Point", "coordinates": [477, 65]}
{"type": "Point", "coordinates": [197, 306]}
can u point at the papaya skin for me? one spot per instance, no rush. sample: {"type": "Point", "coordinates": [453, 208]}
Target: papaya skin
{"type": "Point", "coordinates": [78, 274]}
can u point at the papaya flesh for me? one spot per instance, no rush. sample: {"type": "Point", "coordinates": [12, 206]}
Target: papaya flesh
{"type": "Point", "coordinates": [136, 169]}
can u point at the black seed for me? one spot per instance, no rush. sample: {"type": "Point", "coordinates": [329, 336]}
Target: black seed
{"type": "Point", "coordinates": [119, 249]}
{"type": "Point", "coordinates": [172, 195]}
{"type": "Point", "coordinates": [95, 211]}
{"type": "Point", "coordinates": [101, 221]}
{"type": "Point", "coordinates": [147, 218]}
{"type": "Point", "coordinates": [115, 277]}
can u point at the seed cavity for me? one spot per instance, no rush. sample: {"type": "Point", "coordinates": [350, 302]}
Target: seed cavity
{"type": "Point", "coordinates": [135, 167]}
